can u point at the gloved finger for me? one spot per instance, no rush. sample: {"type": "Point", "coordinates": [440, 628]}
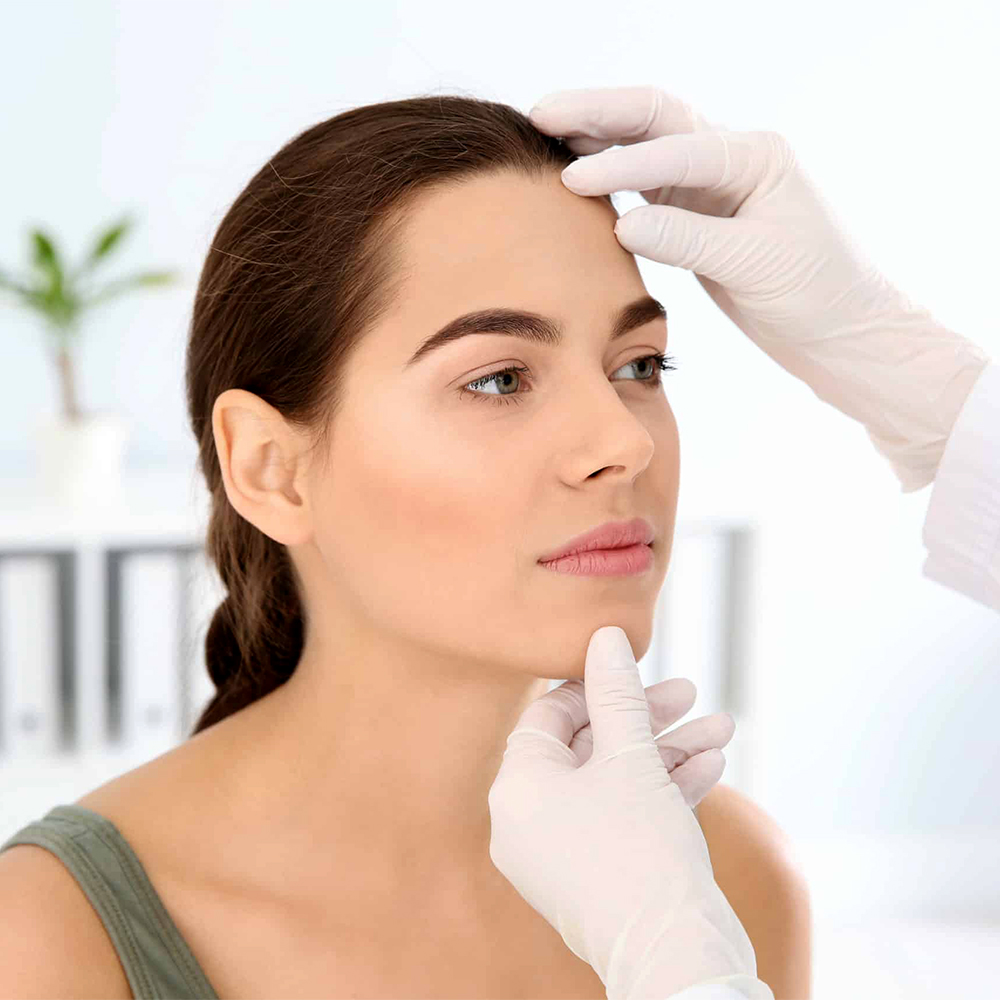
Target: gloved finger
{"type": "Point", "coordinates": [616, 701]}
{"type": "Point", "coordinates": [729, 164]}
{"type": "Point", "coordinates": [621, 115]}
{"type": "Point", "coordinates": [668, 701]}
{"type": "Point", "coordinates": [560, 714]}
{"type": "Point", "coordinates": [583, 747]}
{"type": "Point", "coordinates": [545, 728]}
{"type": "Point", "coordinates": [706, 733]}
{"type": "Point", "coordinates": [697, 776]}
{"type": "Point", "coordinates": [715, 249]}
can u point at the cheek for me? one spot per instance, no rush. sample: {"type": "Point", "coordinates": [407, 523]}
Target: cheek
{"type": "Point", "coordinates": [420, 491]}
{"type": "Point", "coordinates": [433, 529]}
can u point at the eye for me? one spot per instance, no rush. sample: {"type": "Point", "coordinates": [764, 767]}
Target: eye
{"type": "Point", "coordinates": [655, 364]}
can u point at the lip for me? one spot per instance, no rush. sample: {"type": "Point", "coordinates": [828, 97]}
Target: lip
{"type": "Point", "coordinates": [610, 535]}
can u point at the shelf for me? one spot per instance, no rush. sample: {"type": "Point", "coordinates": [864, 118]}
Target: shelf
{"type": "Point", "coordinates": [155, 503]}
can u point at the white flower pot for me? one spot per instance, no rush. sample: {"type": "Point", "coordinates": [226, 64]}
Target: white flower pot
{"type": "Point", "coordinates": [80, 464]}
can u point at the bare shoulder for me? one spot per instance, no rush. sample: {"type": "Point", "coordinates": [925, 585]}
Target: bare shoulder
{"type": "Point", "coordinates": [750, 852]}
{"type": "Point", "coordinates": [756, 869]}
{"type": "Point", "coordinates": [52, 942]}
{"type": "Point", "coordinates": [739, 825]}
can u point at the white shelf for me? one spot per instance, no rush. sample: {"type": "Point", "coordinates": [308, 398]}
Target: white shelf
{"type": "Point", "coordinates": [157, 503]}
{"type": "Point", "coordinates": [103, 610]}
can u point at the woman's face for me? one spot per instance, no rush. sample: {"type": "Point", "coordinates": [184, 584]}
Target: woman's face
{"type": "Point", "coordinates": [435, 502]}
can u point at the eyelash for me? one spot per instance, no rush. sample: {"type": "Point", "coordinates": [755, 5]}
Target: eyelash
{"type": "Point", "coordinates": [664, 362]}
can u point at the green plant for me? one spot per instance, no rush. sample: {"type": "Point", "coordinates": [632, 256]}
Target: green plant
{"type": "Point", "coordinates": [61, 296]}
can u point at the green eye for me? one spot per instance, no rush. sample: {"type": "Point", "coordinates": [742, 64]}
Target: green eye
{"type": "Point", "coordinates": [661, 362]}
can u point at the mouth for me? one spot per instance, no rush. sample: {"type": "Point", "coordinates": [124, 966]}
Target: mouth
{"type": "Point", "coordinates": [611, 537]}
{"type": "Point", "coordinates": [625, 560]}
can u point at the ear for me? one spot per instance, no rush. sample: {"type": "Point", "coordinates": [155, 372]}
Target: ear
{"type": "Point", "coordinates": [264, 463]}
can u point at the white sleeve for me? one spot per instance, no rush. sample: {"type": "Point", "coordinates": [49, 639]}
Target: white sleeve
{"type": "Point", "coordinates": [962, 526]}
{"type": "Point", "coordinates": [738, 987]}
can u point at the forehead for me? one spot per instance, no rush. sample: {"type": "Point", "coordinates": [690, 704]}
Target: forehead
{"type": "Point", "coordinates": [509, 240]}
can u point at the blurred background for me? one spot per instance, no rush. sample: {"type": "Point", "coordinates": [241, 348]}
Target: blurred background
{"type": "Point", "coordinates": [865, 695]}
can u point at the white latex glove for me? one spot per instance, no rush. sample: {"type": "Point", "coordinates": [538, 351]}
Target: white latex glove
{"type": "Point", "coordinates": [691, 752]}
{"type": "Point", "coordinates": [606, 848]}
{"type": "Point", "coordinates": [739, 210]}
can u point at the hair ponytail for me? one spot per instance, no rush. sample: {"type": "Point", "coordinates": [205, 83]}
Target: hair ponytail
{"type": "Point", "coordinates": [255, 637]}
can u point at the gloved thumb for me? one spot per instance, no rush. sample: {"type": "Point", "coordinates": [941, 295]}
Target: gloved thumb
{"type": "Point", "coordinates": [616, 699]}
{"type": "Point", "coordinates": [705, 244]}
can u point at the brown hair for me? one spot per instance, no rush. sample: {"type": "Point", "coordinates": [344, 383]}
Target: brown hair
{"type": "Point", "coordinates": [304, 262]}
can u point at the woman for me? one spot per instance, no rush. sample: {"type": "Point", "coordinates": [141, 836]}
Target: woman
{"type": "Point", "coordinates": [383, 489]}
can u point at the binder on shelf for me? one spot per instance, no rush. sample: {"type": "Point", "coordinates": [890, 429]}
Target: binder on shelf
{"type": "Point", "coordinates": [150, 689]}
{"type": "Point", "coordinates": [30, 709]}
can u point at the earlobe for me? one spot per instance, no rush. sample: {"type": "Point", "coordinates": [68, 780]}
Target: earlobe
{"type": "Point", "coordinates": [260, 460]}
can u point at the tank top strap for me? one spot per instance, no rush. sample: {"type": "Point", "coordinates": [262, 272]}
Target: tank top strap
{"type": "Point", "coordinates": [156, 958]}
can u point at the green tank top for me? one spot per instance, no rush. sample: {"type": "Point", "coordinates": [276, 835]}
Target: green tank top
{"type": "Point", "coordinates": [156, 959]}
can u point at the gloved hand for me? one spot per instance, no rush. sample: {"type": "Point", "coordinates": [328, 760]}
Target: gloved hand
{"type": "Point", "coordinates": [607, 849]}
{"type": "Point", "coordinates": [692, 753]}
{"type": "Point", "coordinates": [739, 210]}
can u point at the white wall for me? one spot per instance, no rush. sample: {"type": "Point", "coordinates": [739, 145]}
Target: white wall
{"type": "Point", "coordinates": [876, 690]}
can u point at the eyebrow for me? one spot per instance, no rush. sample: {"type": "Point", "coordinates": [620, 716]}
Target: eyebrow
{"type": "Point", "coordinates": [531, 326]}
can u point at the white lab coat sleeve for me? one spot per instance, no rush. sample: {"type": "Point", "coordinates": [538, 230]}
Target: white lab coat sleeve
{"type": "Point", "coordinates": [962, 526]}
{"type": "Point", "coordinates": [738, 987]}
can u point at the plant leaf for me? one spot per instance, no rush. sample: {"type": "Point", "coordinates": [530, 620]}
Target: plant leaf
{"type": "Point", "coordinates": [46, 258]}
{"type": "Point", "coordinates": [107, 241]}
